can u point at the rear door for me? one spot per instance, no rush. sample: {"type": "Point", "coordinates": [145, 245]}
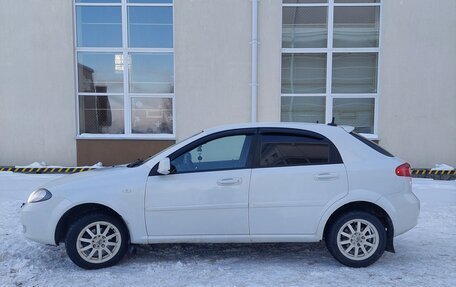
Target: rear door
{"type": "Point", "coordinates": [297, 175]}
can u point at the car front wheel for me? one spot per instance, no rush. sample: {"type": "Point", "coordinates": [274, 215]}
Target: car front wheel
{"type": "Point", "coordinates": [96, 241]}
{"type": "Point", "coordinates": [356, 239]}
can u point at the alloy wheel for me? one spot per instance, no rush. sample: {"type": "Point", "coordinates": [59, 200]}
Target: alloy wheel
{"type": "Point", "coordinates": [98, 242]}
{"type": "Point", "coordinates": [358, 239]}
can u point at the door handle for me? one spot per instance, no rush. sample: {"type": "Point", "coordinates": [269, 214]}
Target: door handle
{"type": "Point", "coordinates": [326, 176]}
{"type": "Point", "coordinates": [229, 181]}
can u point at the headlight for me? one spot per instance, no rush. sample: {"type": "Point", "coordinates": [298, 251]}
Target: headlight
{"type": "Point", "coordinates": [41, 194]}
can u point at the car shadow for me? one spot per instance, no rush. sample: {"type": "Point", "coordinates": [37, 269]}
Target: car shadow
{"type": "Point", "coordinates": [304, 253]}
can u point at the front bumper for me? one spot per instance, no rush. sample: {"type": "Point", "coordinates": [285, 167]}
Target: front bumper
{"type": "Point", "coordinates": [39, 219]}
{"type": "Point", "coordinates": [403, 208]}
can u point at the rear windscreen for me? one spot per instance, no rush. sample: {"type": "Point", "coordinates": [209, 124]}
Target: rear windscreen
{"type": "Point", "coordinates": [372, 144]}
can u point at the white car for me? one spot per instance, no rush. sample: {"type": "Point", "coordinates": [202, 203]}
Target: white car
{"type": "Point", "coordinates": [279, 182]}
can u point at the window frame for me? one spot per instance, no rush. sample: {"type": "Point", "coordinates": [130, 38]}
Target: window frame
{"type": "Point", "coordinates": [371, 144]}
{"type": "Point", "coordinates": [236, 132]}
{"type": "Point", "coordinates": [330, 50]}
{"type": "Point", "coordinates": [254, 153]}
{"type": "Point", "coordinates": [334, 154]}
{"type": "Point", "coordinates": [125, 50]}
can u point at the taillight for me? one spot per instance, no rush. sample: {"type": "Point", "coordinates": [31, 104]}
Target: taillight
{"type": "Point", "coordinates": [403, 170]}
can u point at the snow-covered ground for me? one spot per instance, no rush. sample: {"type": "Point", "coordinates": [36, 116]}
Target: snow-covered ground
{"type": "Point", "coordinates": [426, 256]}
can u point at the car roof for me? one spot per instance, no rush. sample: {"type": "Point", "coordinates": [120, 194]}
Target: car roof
{"type": "Point", "coordinates": [291, 125]}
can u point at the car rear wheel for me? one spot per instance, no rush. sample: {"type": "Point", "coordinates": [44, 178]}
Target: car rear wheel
{"type": "Point", "coordinates": [356, 239]}
{"type": "Point", "coordinates": [96, 241]}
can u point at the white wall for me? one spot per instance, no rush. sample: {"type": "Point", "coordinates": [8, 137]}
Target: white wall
{"type": "Point", "coordinates": [37, 97]}
{"type": "Point", "coordinates": [212, 60]}
{"type": "Point", "coordinates": [417, 119]}
{"type": "Point", "coordinates": [269, 59]}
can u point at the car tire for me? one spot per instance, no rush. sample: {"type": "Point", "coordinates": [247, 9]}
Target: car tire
{"type": "Point", "coordinates": [356, 239]}
{"type": "Point", "coordinates": [96, 241]}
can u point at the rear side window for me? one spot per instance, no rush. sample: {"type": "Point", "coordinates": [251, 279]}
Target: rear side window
{"type": "Point", "coordinates": [289, 150]}
{"type": "Point", "coordinates": [372, 144]}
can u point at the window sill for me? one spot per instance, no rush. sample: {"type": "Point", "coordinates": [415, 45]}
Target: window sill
{"type": "Point", "coordinates": [125, 137]}
{"type": "Point", "coordinates": [371, 137]}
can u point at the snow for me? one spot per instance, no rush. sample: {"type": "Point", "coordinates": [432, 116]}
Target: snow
{"type": "Point", "coordinates": [442, 167]}
{"type": "Point", "coordinates": [34, 165]}
{"type": "Point", "coordinates": [426, 256]}
{"type": "Point", "coordinates": [43, 165]}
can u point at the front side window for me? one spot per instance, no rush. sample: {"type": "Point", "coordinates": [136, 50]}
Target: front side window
{"type": "Point", "coordinates": [330, 55]}
{"type": "Point", "coordinates": [125, 67]}
{"type": "Point", "coordinates": [230, 152]}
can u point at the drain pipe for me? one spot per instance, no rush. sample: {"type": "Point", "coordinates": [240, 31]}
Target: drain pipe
{"type": "Point", "coordinates": [254, 43]}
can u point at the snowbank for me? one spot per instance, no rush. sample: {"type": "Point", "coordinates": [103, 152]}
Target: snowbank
{"type": "Point", "coordinates": [43, 164]}
{"type": "Point", "coordinates": [442, 167]}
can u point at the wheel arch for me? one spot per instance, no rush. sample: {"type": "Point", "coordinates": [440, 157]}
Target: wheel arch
{"type": "Point", "coordinates": [79, 210]}
{"type": "Point", "coordinates": [368, 207]}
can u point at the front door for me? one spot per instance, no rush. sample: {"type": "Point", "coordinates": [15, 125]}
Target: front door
{"type": "Point", "coordinates": [206, 192]}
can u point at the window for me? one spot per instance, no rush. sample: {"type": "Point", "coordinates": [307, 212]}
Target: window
{"type": "Point", "coordinates": [288, 150]}
{"type": "Point", "coordinates": [330, 55]}
{"type": "Point", "coordinates": [372, 145]}
{"type": "Point", "coordinates": [228, 152]}
{"type": "Point", "coordinates": [125, 68]}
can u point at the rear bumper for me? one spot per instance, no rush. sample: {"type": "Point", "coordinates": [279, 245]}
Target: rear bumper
{"type": "Point", "coordinates": [403, 208]}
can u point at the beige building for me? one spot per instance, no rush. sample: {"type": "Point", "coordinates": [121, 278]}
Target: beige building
{"type": "Point", "coordinates": [83, 81]}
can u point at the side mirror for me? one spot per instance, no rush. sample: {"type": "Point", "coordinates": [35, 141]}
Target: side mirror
{"type": "Point", "coordinates": [164, 166]}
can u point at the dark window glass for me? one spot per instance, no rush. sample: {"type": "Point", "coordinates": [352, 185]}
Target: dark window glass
{"type": "Point", "coordinates": [372, 144]}
{"type": "Point", "coordinates": [150, 1]}
{"type": "Point", "coordinates": [288, 150]}
{"type": "Point", "coordinates": [150, 27]}
{"type": "Point", "coordinates": [151, 73]}
{"type": "Point", "coordinates": [303, 109]}
{"type": "Point", "coordinates": [97, 1]}
{"type": "Point", "coordinates": [305, 1]}
{"type": "Point", "coordinates": [101, 115]}
{"type": "Point", "coordinates": [228, 152]}
{"type": "Point", "coordinates": [100, 72]}
{"type": "Point", "coordinates": [304, 73]}
{"type": "Point", "coordinates": [354, 73]}
{"type": "Point", "coordinates": [356, 27]}
{"type": "Point", "coordinates": [356, 112]}
{"type": "Point", "coordinates": [99, 26]}
{"type": "Point", "coordinates": [304, 27]}
{"type": "Point", "coordinates": [357, 1]}
{"type": "Point", "coordinates": [151, 115]}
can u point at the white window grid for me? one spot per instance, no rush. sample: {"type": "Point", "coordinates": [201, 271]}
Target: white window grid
{"type": "Point", "coordinates": [330, 50]}
{"type": "Point", "coordinates": [127, 95]}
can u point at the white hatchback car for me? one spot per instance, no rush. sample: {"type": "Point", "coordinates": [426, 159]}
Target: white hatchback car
{"type": "Point", "coordinates": [280, 182]}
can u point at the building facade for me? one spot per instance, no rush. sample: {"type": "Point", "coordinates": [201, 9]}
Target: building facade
{"type": "Point", "coordinates": [84, 81]}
